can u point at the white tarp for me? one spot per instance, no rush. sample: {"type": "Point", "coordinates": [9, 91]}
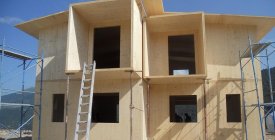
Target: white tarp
{"type": "Point", "coordinates": [270, 123]}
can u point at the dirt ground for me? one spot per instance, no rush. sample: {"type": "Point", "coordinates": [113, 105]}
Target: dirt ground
{"type": "Point", "coordinates": [270, 136]}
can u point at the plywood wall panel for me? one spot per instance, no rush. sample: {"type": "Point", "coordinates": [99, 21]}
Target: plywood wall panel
{"type": "Point", "coordinates": [125, 40]}
{"type": "Point", "coordinates": [78, 38]}
{"type": "Point", "coordinates": [52, 44]}
{"type": "Point", "coordinates": [116, 131]}
{"type": "Point", "coordinates": [223, 43]}
{"type": "Point", "coordinates": [136, 35]}
{"type": "Point", "coordinates": [160, 126]}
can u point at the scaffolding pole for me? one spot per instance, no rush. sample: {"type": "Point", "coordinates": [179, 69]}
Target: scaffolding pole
{"type": "Point", "coordinates": [1, 67]}
{"type": "Point", "coordinates": [252, 53]}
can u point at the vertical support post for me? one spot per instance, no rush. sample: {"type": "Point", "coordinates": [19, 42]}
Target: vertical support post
{"type": "Point", "coordinates": [1, 69]}
{"type": "Point", "coordinates": [131, 107]}
{"type": "Point", "coordinates": [243, 97]}
{"type": "Point", "coordinates": [204, 108]}
{"type": "Point", "coordinates": [256, 89]}
{"type": "Point", "coordinates": [66, 109]}
{"type": "Point", "coordinates": [270, 87]}
{"type": "Point", "coordinates": [40, 94]}
{"type": "Point", "coordinates": [22, 97]}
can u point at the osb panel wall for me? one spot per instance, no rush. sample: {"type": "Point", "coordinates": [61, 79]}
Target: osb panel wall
{"type": "Point", "coordinates": [159, 121]}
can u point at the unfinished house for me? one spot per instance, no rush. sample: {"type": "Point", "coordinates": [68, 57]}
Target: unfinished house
{"type": "Point", "coordinates": [159, 75]}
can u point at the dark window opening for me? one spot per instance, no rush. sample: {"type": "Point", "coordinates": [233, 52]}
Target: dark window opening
{"type": "Point", "coordinates": [58, 108]}
{"type": "Point", "coordinates": [105, 108]}
{"type": "Point", "coordinates": [181, 54]}
{"type": "Point", "coordinates": [107, 47]}
{"type": "Point", "coordinates": [183, 108]}
{"type": "Point", "coordinates": [233, 107]}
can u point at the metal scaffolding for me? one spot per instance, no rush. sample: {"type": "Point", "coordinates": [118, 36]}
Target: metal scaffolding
{"type": "Point", "coordinates": [28, 61]}
{"type": "Point", "coordinates": [260, 53]}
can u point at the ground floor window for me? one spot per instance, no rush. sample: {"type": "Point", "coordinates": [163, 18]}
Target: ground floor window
{"type": "Point", "coordinates": [105, 108]}
{"type": "Point", "coordinates": [233, 107]}
{"type": "Point", "coordinates": [183, 108]}
{"type": "Point", "coordinates": [58, 108]}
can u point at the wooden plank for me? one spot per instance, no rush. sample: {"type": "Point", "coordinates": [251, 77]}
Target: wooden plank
{"type": "Point", "coordinates": [15, 55]}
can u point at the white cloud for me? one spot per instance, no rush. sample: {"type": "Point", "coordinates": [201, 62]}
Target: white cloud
{"type": "Point", "coordinates": [10, 20]}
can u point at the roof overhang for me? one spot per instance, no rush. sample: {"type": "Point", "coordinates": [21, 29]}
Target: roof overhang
{"type": "Point", "coordinates": [263, 24]}
{"type": "Point", "coordinates": [33, 27]}
{"type": "Point", "coordinates": [104, 10]}
{"type": "Point", "coordinates": [153, 7]}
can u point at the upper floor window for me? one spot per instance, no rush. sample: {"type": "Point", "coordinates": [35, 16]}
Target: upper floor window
{"type": "Point", "coordinates": [181, 55]}
{"type": "Point", "coordinates": [107, 47]}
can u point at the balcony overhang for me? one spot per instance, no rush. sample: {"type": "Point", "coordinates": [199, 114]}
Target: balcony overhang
{"type": "Point", "coordinates": [176, 79]}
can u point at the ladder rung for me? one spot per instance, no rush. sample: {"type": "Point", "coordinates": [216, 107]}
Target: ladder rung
{"type": "Point", "coordinates": [87, 80]}
{"type": "Point", "coordinates": [83, 113]}
{"type": "Point", "coordinates": [81, 122]}
{"type": "Point", "coordinates": [89, 65]}
{"type": "Point", "coordinates": [84, 104]}
{"type": "Point", "coordinates": [84, 96]}
{"type": "Point", "coordinates": [81, 131]}
{"type": "Point", "coordinates": [87, 73]}
{"type": "Point", "coordinates": [86, 88]}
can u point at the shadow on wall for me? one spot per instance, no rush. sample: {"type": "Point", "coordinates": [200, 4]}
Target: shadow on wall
{"type": "Point", "coordinates": [160, 126]}
{"type": "Point", "coordinates": [216, 124]}
{"type": "Point", "coordinates": [104, 86]}
{"type": "Point", "coordinates": [217, 127]}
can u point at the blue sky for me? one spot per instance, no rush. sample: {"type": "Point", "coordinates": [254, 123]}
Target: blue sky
{"type": "Point", "coordinates": [16, 11]}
